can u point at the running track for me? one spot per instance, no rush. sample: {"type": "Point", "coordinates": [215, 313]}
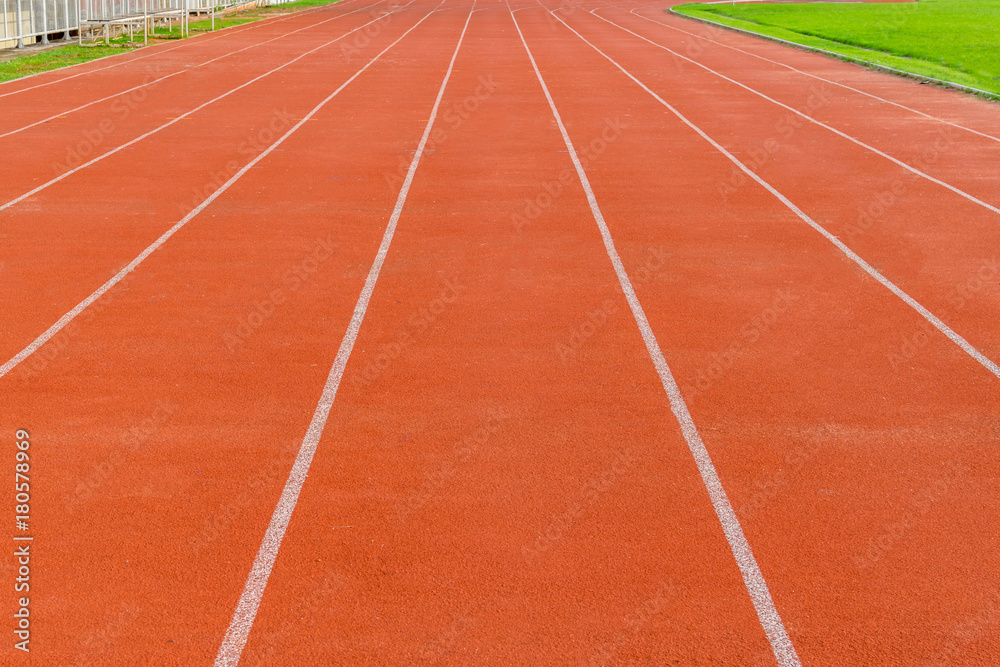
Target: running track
{"type": "Point", "coordinates": [441, 333]}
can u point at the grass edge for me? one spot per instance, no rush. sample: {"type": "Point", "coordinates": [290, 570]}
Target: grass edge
{"type": "Point", "coordinates": [944, 83]}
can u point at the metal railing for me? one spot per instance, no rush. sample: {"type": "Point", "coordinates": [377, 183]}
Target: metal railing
{"type": "Point", "coordinates": [98, 10]}
{"type": "Point", "coordinates": [30, 21]}
{"type": "Point", "coordinates": [101, 10]}
{"type": "Point", "coordinates": [25, 22]}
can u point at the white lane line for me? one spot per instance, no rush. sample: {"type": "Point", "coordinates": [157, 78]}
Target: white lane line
{"type": "Point", "coordinates": [820, 78]}
{"type": "Point", "coordinates": [904, 165]}
{"type": "Point", "coordinates": [760, 595]}
{"type": "Point", "coordinates": [246, 610]}
{"type": "Point", "coordinates": [80, 307]}
{"type": "Point", "coordinates": [182, 71]}
{"type": "Point", "coordinates": [987, 363]}
{"type": "Point", "coordinates": [136, 140]}
{"type": "Point", "coordinates": [226, 32]}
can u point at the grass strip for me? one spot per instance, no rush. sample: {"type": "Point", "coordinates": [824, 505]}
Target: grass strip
{"type": "Point", "coordinates": [951, 40]}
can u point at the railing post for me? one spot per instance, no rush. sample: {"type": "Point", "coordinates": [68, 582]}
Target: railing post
{"type": "Point", "coordinates": [20, 26]}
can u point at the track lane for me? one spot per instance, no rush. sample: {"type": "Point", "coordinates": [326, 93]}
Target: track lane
{"type": "Point", "coordinates": [939, 254]}
{"type": "Point", "coordinates": [107, 128]}
{"type": "Point", "coordinates": [241, 624]}
{"type": "Point", "coordinates": [51, 77]}
{"type": "Point", "coordinates": [875, 128]}
{"type": "Point", "coordinates": [477, 496]}
{"type": "Point", "coordinates": [862, 483]}
{"type": "Point", "coordinates": [160, 494]}
{"type": "Point", "coordinates": [810, 72]}
{"type": "Point", "coordinates": [777, 635]}
{"type": "Point", "coordinates": [940, 102]}
{"type": "Point", "coordinates": [506, 476]}
{"type": "Point", "coordinates": [24, 115]}
{"type": "Point", "coordinates": [172, 178]}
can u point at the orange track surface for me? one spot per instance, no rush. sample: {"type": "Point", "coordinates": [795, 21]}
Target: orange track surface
{"type": "Point", "coordinates": [502, 477]}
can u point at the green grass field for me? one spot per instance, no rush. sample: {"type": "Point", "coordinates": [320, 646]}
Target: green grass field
{"type": "Point", "coordinates": [953, 40]}
{"type": "Point", "coordinates": [73, 54]}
